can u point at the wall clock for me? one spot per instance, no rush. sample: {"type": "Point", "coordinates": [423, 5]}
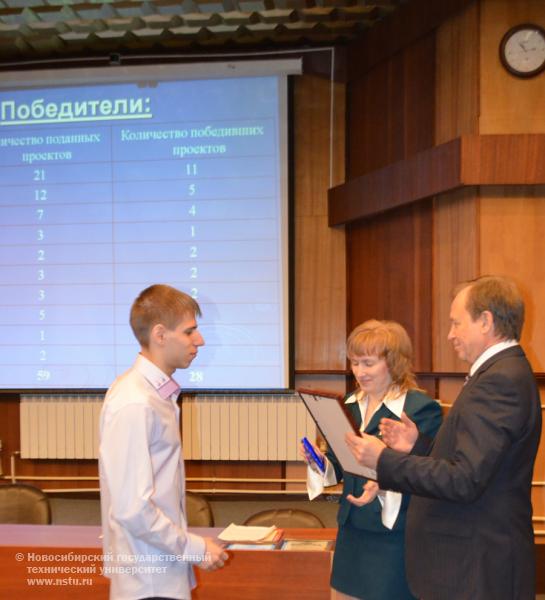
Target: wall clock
{"type": "Point", "coordinates": [522, 50]}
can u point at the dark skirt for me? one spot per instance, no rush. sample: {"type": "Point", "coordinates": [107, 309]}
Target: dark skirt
{"type": "Point", "coordinates": [370, 565]}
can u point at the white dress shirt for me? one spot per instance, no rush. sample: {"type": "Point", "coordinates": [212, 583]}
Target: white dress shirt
{"type": "Point", "coordinates": [148, 550]}
{"type": "Point", "coordinates": [489, 353]}
{"type": "Point", "coordinates": [390, 501]}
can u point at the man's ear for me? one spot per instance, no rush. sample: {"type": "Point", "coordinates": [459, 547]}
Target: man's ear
{"type": "Point", "coordinates": [157, 334]}
{"type": "Point", "coordinates": [487, 321]}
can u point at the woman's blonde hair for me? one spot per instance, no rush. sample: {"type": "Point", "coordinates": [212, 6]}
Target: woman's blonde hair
{"type": "Point", "coordinates": [388, 340]}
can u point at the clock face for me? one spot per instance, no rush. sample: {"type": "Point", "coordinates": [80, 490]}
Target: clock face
{"type": "Point", "coordinates": [522, 50]}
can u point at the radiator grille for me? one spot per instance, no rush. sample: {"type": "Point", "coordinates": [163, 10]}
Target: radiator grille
{"type": "Point", "coordinates": [243, 427]}
{"type": "Point", "coordinates": [59, 426]}
{"type": "Point", "coordinates": [214, 427]}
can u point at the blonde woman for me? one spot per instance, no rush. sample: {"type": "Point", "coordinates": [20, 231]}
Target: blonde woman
{"type": "Point", "coordinates": [369, 560]}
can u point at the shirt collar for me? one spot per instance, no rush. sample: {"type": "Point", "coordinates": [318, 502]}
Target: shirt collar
{"type": "Point", "coordinates": [489, 353]}
{"type": "Point", "coordinates": [394, 399]}
{"type": "Point", "coordinates": [165, 386]}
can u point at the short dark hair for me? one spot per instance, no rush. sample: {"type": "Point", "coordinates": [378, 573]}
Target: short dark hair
{"type": "Point", "coordinates": [501, 296]}
{"type": "Point", "coordinates": [160, 304]}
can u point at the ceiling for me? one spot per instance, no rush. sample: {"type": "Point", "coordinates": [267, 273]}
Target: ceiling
{"type": "Point", "coordinates": [55, 29]}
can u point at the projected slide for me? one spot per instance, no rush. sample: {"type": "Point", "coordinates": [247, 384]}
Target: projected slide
{"type": "Point", "coordinates": [107, 189]}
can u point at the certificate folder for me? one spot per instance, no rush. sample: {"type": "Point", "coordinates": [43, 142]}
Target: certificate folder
{"type": "Point", "coordinates": [330, 415]}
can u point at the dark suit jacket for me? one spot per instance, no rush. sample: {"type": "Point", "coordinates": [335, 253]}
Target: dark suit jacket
{"type": "Point", "coordinates": [426, 413]}
{"type": "Point", "coordinates": [469, 525]}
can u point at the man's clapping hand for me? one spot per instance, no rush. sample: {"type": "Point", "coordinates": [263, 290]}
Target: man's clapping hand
{"type": "Point", "coordinates": [398, 435]}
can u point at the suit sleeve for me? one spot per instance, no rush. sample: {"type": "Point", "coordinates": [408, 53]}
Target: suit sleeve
{"type": "Point", "coordinates": [483, 430]}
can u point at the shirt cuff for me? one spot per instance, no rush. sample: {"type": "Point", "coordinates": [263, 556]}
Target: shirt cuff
{"type": "Point", "coordinates": [316, 481]}
{"type": "Point", "coordinates": [195, 548]}
{"type": "Point", "coordinates": [329, 476]}
{"type": "Point", "coordinates": [391, 503]}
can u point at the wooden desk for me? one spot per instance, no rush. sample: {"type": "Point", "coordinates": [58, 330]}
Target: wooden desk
{"type": "Point", "coordinates": [262, 575]}
{"type": "Point", "coordinates": [26, 551]}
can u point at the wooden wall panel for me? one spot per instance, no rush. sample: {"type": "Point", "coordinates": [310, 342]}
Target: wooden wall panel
{"type": "Point", "coordinates": [322, 381]}
{"type": "Point", "coordinates": [320, 274]}
{"type": "Point", "coordinates": [512, 238]}
{"type": "Point", "coordinates": [457, 76]}
{"type": "Point", "coordinates": [449, 388]}
{"type": "Point", "coordinates": [508, 104]}
{"type": "Point", "coordinates": [320, 268]}
{"type": "Point", "coordinates": [538, 504]}
{"type": "Point", "coordinates": [367, 142]}
{"type": "Point", "coordinates": [455, 259]}
{"type": "Point", "coordinates": [314, 136]}
{"type": "Point", "coordinates": [469, 160]}
{"type": "Point", "coordinates": [410, 22]}
{"type": "Point", "coordinates": [390, 109]}
{"type": "Point", "coordinates": [390, 117]}
{"type": "Point", "coordinates": [427, 382]}
{"type": "Point", "coordinates": [233, 469]}
{"type": "Point", "coordinates": [538, 491]}
{"type": "Point", "coordinates": [9, 429]}
{"type": "Point", "coordinates": [419, 96]}
{"type": "Point", "coordinates": [455, 240]}
{"type": "Point", "coordinates": [389, 260]}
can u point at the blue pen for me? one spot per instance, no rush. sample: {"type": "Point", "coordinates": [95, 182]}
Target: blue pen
{"type": "Point", "coordinates": [309, 448]}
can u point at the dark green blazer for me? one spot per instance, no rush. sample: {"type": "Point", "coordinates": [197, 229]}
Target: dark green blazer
{"type": "Point", "coordinates": [421, 409]}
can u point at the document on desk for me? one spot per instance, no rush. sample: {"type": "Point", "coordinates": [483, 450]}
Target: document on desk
{"type": "Point", "coordinates": [245, 533]}
{"type": "Point", "coordinates": [307, 545]}
{"type": "Point", "coordinates": [241, 546]}
{"type": "Point", "coordinates": [329, 413]}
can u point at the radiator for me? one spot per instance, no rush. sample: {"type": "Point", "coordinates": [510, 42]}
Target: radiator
{"type": "Point", "coordinates": [228, 427]}
{"type": "Point", "coordinates": [59, 426]}
{"type": "Point", "coordinates": [267, 427]}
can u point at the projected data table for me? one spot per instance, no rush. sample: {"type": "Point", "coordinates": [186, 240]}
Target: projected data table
{"type": "Point", "coordinates": [92, 213]}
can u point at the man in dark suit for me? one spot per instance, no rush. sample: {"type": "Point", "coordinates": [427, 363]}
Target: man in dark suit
{"type": "Point", "coordinates": [469, 529]}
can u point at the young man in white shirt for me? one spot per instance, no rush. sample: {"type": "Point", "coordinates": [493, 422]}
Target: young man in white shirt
{"type": "Point", "coordinates": [148, 551]}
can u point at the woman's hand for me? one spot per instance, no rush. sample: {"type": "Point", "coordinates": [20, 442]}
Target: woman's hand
{"type": "Point", "coordinates": [398, 435]}
{"type": "Point", "coordinates": [370, 491]}
{"type": "Point", "coordinates": [365, 448]}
